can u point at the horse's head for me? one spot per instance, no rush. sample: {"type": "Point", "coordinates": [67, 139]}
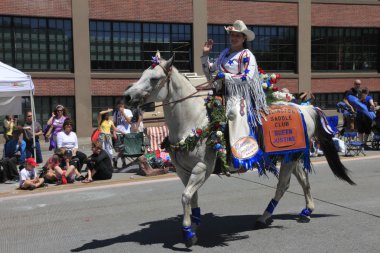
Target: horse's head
{"type": "Point", "coordinates": [152, 85]}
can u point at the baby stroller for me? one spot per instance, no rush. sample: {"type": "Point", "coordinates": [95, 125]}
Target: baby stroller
{"type": "Point", "coordinates": [376, 132]}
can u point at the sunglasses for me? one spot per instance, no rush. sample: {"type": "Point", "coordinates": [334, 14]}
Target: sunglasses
{"type": "Point", "coordinates": [28, 116]}
{"type": "Point", "coordinates": [59, 110]}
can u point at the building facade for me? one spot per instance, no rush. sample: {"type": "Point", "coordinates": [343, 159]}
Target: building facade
{"type": "Point", "coordinates": [85, 53]}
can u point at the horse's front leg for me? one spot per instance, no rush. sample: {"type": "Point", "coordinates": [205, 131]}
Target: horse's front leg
{"type": "Point", "coordinates": [303, 180]}
{"type": "Point", "coordinates": [282, 187]}
{"type": "Point", "coordinates": [189, 200]}
{"type": "Point", "coordinates": [195, 209]}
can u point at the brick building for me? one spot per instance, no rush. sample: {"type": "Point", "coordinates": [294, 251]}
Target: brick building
{"type": "Point", "coordinates": [84, 53]}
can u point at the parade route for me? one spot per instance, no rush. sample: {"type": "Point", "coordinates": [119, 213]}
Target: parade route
{"type": "Point", "coordinates": [9, 191]}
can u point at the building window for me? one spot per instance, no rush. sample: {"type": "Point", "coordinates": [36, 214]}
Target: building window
{"type": "Point", "coordinates": [329, 100]}
{"type": "Point", "coordinates": [274, 47]}
{"type": "Point", "coordinates": [44, 107]}
{"type": "Point", "coordinates": [130, 45]}
{"type": "Point", "coordinates": [36, 44]}
{"type": "Point", "coordinates": [345, 49]}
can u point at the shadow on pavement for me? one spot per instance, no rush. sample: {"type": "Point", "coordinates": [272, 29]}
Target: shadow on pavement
{"type": "Point", "coordinates": [215, 231]}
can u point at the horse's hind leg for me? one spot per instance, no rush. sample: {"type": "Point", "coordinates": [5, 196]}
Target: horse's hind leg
{"type": "Point", "coordinates": [303, 180]}
{"type": "Point", "coordinates": [189, 198]}
{"type": "Point", "coordinates": [282, 186]}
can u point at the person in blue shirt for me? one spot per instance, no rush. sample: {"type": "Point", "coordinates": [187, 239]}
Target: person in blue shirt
{"type": "Point", "coordinates": [16, 147]}
{"type": "Point", "coordinates": [14, 154]}
{"type": "Point", "coordinates": [364, 122]}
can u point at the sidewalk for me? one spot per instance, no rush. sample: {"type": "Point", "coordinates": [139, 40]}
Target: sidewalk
{"type": "Point", "coordinates": [128, 175]}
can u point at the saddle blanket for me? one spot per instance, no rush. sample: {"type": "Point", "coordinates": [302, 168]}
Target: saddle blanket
{"type": "Point", "coordinates": [283, 130]}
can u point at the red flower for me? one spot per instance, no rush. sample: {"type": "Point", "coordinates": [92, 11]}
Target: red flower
{"type": "Point", "coordinates": [273, 80]}
{"type": "Point", "coordinates": [274, 88]}
{"type": "Point", "coordinates": [199, 131]}
{"type": "Point", "coordinates": [278, 76]}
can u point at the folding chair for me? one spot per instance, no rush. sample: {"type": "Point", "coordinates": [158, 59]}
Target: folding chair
{"type": "Point", "coordinates": [376, 141]}
{"type": "Point", "coordinates": [353, 146]}
{"type": "Point", "coordinates": [333, 123]}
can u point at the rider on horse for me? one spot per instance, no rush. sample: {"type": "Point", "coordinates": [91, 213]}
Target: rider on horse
{"type": "Point", "coordinates": [236, 71]}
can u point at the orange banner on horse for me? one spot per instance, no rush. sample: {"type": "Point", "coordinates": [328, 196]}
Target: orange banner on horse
{"type": "Point", "coordinates": [283, 129]}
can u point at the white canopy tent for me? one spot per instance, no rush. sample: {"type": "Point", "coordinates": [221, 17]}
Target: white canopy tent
{"type": "Point", "coordinates": [15, 84]}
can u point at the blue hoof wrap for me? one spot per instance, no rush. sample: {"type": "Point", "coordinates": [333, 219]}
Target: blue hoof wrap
{"type": "Point", "coordinates": [306, 212]}
{"type": "Point", "coordinates": [271, 206]}
{"type": "Point", "coordinates": [196, 215]}
{"type": "Point", "coordinates": [188, 233]}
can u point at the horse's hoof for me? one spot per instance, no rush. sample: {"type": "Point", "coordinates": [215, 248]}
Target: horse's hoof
{"type": "Point", "coordinates": [303, 219]}
{"type": "Point", "coordinates": [304, 216]}
{"type": "Point", "coordinates": [191, 242]}
{"type": "Point", "coordinates": [189, 236]}
{"type": "Point", "coordinates": [260, 225]}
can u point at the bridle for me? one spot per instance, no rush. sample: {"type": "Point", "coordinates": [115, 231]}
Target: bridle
{"type": "Point", "coordinates": [168, 73]}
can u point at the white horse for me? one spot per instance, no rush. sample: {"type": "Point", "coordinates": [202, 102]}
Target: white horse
{"type": "Point", "coordinates": [184, 112]}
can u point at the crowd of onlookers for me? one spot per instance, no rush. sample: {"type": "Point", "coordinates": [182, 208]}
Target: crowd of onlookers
{"type": "Point", "coordinates": [22, 154]}
{"type": "Point", "coordinates": [361, 113]}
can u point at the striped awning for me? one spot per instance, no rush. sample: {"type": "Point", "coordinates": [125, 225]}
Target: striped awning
{"type": "Point", "coordinates": [156, 137]}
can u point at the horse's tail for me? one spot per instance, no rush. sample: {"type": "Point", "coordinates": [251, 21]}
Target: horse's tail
{"type": "Point", "coordinates": [329, 150]}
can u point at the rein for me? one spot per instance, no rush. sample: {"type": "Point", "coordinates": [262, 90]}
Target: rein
{"type": "Point", "coordinates": [168, 73]}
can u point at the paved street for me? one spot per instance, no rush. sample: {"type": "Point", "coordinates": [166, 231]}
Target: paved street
{"type": "Point", "coordinates": [145, 216]}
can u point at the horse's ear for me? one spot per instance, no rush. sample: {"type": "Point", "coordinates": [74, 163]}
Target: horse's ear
{"type": "Point", "coordinates": [169, 62]}
{"type": "Point", "coordinates": [158, 55]}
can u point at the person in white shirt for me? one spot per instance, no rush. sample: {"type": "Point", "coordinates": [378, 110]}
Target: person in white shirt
{"type": "Point", "coordinates": [122, 118]}
{"type": "Point", "coordinates": [68, 139]}
{"type": "Point", "coordinates": [28, 176]}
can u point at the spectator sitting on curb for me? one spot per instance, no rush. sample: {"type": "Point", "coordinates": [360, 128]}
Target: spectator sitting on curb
{"type": "Point", "coordinates": [28, 176]}
{"type": "Point", "coordinates": [98, 165]}
{"type": "Point", "coordinates": [66, 172]}
{"type": "Point", "coordinates": [68, 139]}
{"type": "Point", "coordinates": [15, 148]}
{"type": "Point", "coordinates": [48, 171]}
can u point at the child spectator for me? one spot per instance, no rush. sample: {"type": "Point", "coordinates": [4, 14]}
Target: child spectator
{"type": "Point", "coordinates": [105, 126]}
{"type": "Point", "coordinates": [66, 171]}
{"type": "Point", "coordinates": [48, 171]}
{"type": "Point", "coordinates": [28, 176]}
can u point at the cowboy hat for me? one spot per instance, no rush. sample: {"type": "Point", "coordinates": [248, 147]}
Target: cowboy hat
{"type": "Point", "coordinates": [240, 27]}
